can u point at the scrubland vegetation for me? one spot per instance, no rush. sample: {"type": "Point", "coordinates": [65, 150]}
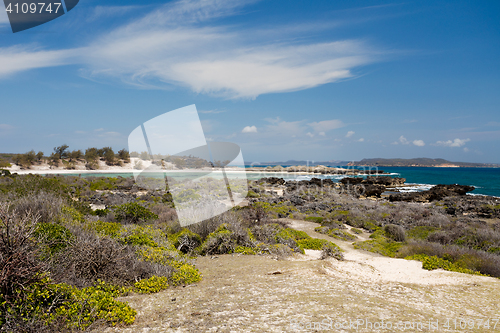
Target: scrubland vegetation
{"type": "Point", "coordinates": [71, 246]}
{"type": "Point", "coordinates": [63, 264]}
{"type": "Point", "coordinates": [63, 157]}
{"type": "Point", "coordinates": [457, 233]}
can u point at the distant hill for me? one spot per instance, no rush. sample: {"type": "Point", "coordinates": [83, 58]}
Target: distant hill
{"type": "Point", "coordinates": [388, 162]}
{"type": "Point", "coordinates": [419, 162]}
{"type": "Point", "coordinates": [301, 162]}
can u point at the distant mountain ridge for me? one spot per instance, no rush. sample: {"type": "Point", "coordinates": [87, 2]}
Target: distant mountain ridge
{"type": "Point", "coordinates": [419, 162]}
{"type": "Point", "coordinates": [387, 162]}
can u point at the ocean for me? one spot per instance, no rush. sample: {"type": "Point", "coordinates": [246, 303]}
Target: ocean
{"type": "Point", "coordinates": [485, 180]}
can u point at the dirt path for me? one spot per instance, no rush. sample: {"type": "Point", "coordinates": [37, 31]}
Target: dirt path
{"type": "Point", "coordinates": [241, 294]}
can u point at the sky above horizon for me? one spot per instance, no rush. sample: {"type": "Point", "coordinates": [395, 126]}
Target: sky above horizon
{"type": "Point", "coordinates": [302, 80]}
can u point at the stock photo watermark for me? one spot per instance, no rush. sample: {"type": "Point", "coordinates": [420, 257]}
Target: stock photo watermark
{"type": "Point", "coordinates": [328, 324]}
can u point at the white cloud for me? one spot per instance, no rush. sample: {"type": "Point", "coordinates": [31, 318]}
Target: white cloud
{"type": "Point", "coordinates": [361, 140]}
{"type": "Point", "coordinates": [466, 149]}
{"type": "Point", "coordinates": [21, 58]}
{"type": "Point", "coordinates": [309, 134]}
{"type": "Point", "coordinates": [403, 140]}
{"type": "Point", "coordinates": [322, 133]}
{"type": "Point", "coordinates": [326, 125]}
{"type": "Point", "coordinates": [163, 48]}
{"type": "Point", "coordinates": [349, 134]}
{"type": "Point", "coordinates": [419, 143]}
{"type": "Point", "coordinates": [249, 129]}
{"type": "Point", "coordinates": [455, 143]}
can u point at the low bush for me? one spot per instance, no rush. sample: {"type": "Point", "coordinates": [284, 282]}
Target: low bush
{"type": "Point", "coordinates": [152, 285]}
{"type": "Point", "coordinates": [317, 219]}
{"type": "Point", "coordinates": [185, 240]}
{"type": "Point", "coordinates": [185, 274]}
{"type": "Point", "coordinates": [395, 232]}
{"type": "Point", "coordinates": [314, 243]}
{"type": "Point", "coordinates": [420, 232]}
{"type": "Point", "coordinates": [481, 261]}
{"type": "Point", "coordinates": [89, 258]}
{"type": "Point", "coordinates": [133, 213]}
{"type": "Point", "coordinates": [341, 234]}
{"type": "Point", "coordinates": [434, 262]}
{"type": "Point", "coordinates": [53, 237]}
{"type": "Point", "coordinates": [331, 250]}
{"type": "Point", "coordinates": [219, 242]}
{"type": "Point", "coordinates": [244, 250]}
{"type": "Point", "coordinates": [356, 231]}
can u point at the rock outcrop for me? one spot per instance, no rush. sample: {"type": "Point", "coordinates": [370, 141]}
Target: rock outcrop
{"type": "Point", "coordinates": [438, 192]}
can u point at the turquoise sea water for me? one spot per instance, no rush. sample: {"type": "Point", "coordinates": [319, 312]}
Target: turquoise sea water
{"type": "Point", "coordinates": [486, 180]}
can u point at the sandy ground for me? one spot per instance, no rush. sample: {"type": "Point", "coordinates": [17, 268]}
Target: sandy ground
{"type": "Point", "coordinates": [260, 294]}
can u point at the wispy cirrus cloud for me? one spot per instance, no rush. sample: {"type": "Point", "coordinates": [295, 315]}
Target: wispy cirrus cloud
{"type": "Point", "coordinates": [163, 47]}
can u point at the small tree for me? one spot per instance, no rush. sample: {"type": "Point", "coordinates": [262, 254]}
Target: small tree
{"type": "Point", "coordinates": [109, 156]}
{"type": "Point", "coordinates": [39, 156]}
{"type": "Point", "coordinates": [124, 155]}
{"type": "Point", "coordinates": [54, 159]}
{"type": "Point", "coordinates": [144, 155]}
{"type": "Point", "coordinates": [61, 151]}
{"type": "Point", "coordinates": [91, 156]}
{"type": "Point", "coordinates": [75, 155]}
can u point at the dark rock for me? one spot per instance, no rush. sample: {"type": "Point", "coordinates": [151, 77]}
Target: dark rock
{"type": "Point", "coordinates": [373, 190]}
{"type": "Point", "coordinates": [438, 192]}
{"type": "Point", "coordinates": [351, 180]}
{"type": "Point", "coordinates": [272, 181]}
{"type": "Point", "coordinates": [385, 180]}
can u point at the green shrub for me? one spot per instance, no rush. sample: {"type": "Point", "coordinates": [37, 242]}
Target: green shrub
{"type": "Point", "coordinates": [5, 164]}
{"type": "Point", "coordinates": [494, 249]}
{"type": "Point", "coordinates": [331, 250]}
{"type": "Point", "coordinates": [159, 255]}
{"type": "Point", "coordinates": [314, 243]}
{"type": "Point", "coordinates": [434, 262]}
{"type": "Point", "coordinates": [219, 242]}
{"type": "Point", "coordinates": [134, 213]}
{"type": "Point", "coordinates": [185, 240]}
{"type": "Point", "coordinates": [185, 274]}
{"type": "Point", "coordinates": [111, 229]}
{"type": "Point", "coordinates": [317, 219]}
{"type": "Point", "coordinates": [85, 306]}
{"type": "Point", "coordinates": [102, 184]}
{"type": "Point", "coordinates": [139, 235]}
{"type": "Point", "coordinates": [252, 194]}
{"type": "Point", "coordinates": [74, 308]}
{"type": "Point", "coordinates": [380, 244]}
{"type": "Point", "coordinates": [101, 212]}
{"type": "Point", "coordinates": [244, 250]}
{"type": "Point", "coordinates": [420, 232]}
{"type": "Point", "coordinates": [341, 234]}
{"type": "Point", "coordinates": [187, 195]}
{"type": "Point", "coordinates": [278, 210]}
{"type": "Point", "coordinates": [357, 231]}
{"type": "Point", "coordinates": [322, 229]}
{"type": "Point", "coordinates": [297, 234]}
{"type": "Point", "coordinates": [152, 285]}
{"type": "Point", "coordinates": [55, 237]}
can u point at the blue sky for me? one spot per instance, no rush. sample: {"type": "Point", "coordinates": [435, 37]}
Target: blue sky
{"type": "Point", "coordinates": [312, 80]}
